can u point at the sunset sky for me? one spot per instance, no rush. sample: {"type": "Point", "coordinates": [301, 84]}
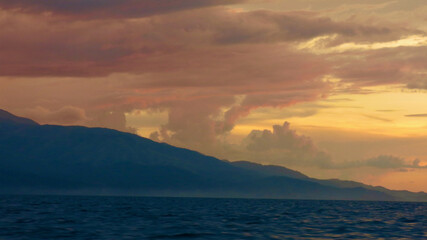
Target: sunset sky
{"type": "Point", "coordinates": [332, 88]}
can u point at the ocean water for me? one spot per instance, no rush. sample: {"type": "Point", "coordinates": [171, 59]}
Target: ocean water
{"type": "Point", "coordinates": [72, 217]}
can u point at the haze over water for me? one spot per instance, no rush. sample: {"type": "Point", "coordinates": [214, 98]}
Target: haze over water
{"type": "Point", "coordinates": [78, 217]}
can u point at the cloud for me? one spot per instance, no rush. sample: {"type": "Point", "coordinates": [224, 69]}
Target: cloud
{"type": "Point", "coordinates": [283, 146]}
{"type": "Point", "coordinates": [197, 126]}
{"type": "Point", "coordinates": [298, 111]}
{"type": "Point", "coordinates": [167, 62]}
{"type": "Point", "coordinates": [417, 115]}
{"type": "Point", "coordinates": [67, 115]}
{"type": "Point", "coordinates": [361, 7]}
{"type": "Point", "coordinates": [201, 122]}
{"type": "Point", "coordinates": [113, 119]}
{"type": "Point", "coordinates": [271, 26]}
{"type": "Point", "coordinates": [42, 45]}
{"type": "Point", "coordinates": [206, 74]}
{"type": "Point", "coordinates": [377, 118]}
{"type": "Point", "coordinates": [282, 137]}
{"type": "Point", "coordinates": [418, 83]}
{"type": "Point", "coordinates": [400, 65]}
{"type": "Point", "coordinates": [109, 8]}
{"type": "Point", "coordinates": [387, 162]}
{"type": "Point", "coordinates": [386, 110]}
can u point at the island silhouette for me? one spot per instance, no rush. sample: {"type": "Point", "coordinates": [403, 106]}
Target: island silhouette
{"type": "Point", "coordinates": [50, 159]}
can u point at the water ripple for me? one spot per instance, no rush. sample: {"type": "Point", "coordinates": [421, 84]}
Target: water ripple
{"type": "Point", "coordinates": [62, 217]}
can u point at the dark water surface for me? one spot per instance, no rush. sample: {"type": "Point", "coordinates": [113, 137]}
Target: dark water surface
{"type": "Point", "coordinates": [71, 217]}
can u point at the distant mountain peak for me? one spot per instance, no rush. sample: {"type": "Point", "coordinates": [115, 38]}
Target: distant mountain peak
{"type": "Point", "coordinates": [7, 117]}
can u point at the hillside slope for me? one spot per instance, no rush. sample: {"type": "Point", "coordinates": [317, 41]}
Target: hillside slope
{"type": "Point", "coordinates": [78, 160]}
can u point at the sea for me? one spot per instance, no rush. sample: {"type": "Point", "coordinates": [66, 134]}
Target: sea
{"type": "Point", "coordinates": [101, 217]}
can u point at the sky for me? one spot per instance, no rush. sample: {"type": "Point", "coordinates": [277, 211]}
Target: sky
{"type": "Point", "coordinates": [332, 88]}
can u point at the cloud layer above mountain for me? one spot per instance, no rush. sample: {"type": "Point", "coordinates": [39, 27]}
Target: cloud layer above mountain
{"type": "Point", "coordinates": [207, 64]}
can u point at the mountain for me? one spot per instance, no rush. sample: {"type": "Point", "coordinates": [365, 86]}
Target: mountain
{"type": "Point", "coordinates": [47, 159]}
{"type": "Point", "coordinates": [272, 170]}
{"type": "Point", "coordinates": [269, 170]}
{"type": "Point", "coordinates": [402, 195]}
{"type": "Point", "coordinates": [7, 118]}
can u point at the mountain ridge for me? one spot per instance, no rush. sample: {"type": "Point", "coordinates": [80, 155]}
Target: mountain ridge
{"type": "Point", "coordinates": [283, 171]}
{"type": "Point", "coordinates": [7, 117]}
{"type": "Point", "coordinates": [59, 159]}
